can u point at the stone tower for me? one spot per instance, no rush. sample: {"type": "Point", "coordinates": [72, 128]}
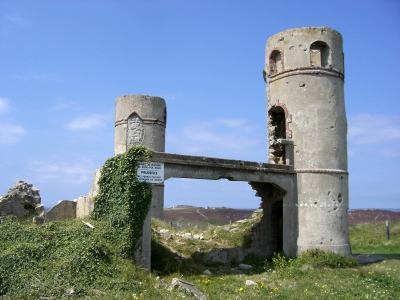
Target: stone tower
{"type": "Point", "coordinates": [304, 73]}
{"type": "Point", "coordinates": [141, 120]}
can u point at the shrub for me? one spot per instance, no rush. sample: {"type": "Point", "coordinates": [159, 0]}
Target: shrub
{"type": "Point", "coordinates": [319, 258]}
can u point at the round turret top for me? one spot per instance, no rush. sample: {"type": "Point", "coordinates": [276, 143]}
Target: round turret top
{"type": "Point", "coordinates": [307, 48]}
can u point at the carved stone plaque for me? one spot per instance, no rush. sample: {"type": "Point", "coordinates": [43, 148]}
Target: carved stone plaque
{"type": "Point", "coordinates": [135, 131]}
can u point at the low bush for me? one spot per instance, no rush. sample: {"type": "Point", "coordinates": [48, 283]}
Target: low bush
{"type": "Point", "coordinates": [313, 258]}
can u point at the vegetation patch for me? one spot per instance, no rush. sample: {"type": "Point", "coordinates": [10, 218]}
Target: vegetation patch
{"type": "Point", "coordinates": [48, 260]}
{"type": "Point", "coordinates": [122, 200]}
{"type": "Point", "coordinates": [68, 260]}
{"type": "Point", "coordinates": [370, 238]}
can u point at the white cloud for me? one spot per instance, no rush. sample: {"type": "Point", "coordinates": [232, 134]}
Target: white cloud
{"type": "Point", "coordinates": [210, 136]}
{"type": "Point", "coordinates": [389, 153]}
{"type": "Point", "coordinates": [74, 173]}
{"type": "Point", "coordinates": [372, 129]}
{"type": "Point", "coordinates": [4, 107]}
{"type": "Point", "coordinates": [61, 106]}
{"type": "Point", "coordinates": [231, 122]}
{"type": "Point", "coordinates": [220, 140]}
{"type": "Point", "coordinates": [10, 134]}
{"type": "Point", "coordinates": [88, 122]}
{"type": "Point", "coordinates": [36, 76]}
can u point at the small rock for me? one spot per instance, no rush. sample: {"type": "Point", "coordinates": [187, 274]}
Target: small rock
{"type": "Point", "coordinates": [174, 284]}
{"type": "Point", "coordinates": [207, 272]}
{"type": "Point", "coordinates": [242, 221]}
{"type": "Point", "coordinates": [250, 283]}
{"type": "Point", "coordinates": [164, 231]}
{"type": "Point", "coordinates": [245, 267]}
{"type": "Point", "coordinates": [70, 292]}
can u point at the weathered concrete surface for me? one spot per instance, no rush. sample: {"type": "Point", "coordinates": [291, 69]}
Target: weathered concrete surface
{"type": "Point", "coordinates": [224, 255]}
{"type": "Point", "coordinates": [143, 246]}
{"type": "Point", "coordinates": [85, 204]}
{"type": "Point", "coordinates": [273, 183]}
{"type": "Point", "coordinates": [306, 89]}
{"type": "Point", "coordinates": [141, 120]}
{"type": "Point", "coordinates": [149, 130]}
{"type": "Point", "coordinates": [64, 210]}
{"type": "Point", "coordinates": [21, 200]}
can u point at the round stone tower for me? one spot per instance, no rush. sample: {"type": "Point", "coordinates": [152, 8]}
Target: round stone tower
{"type": "Point", "coordinates": [141, 120]}
{"type": "Point", "coordinates": [304, 73]}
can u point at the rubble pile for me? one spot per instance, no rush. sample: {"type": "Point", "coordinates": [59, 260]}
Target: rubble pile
{"type": "Point", "coordinates": [21, 200]}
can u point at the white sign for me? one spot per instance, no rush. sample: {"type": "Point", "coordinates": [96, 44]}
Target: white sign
{"type": "Point", "coordinates": [150, 172]}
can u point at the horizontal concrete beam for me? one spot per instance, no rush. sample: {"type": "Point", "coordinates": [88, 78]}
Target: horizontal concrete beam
{"type": "Point", "coordinates": [200, 167]}
{"type": "Point", "coordinates": [191, 160]}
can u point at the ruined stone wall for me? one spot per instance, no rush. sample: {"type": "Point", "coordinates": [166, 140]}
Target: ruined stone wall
{"type": "Point", "coordinates": [22, 200]}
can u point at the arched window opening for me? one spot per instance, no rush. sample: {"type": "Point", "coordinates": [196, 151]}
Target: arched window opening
{"type": "Point", "coordinates": [319, 55]}
{"type": "Point", "coordinates": [275, 62]}
{"type": "Point", "coordinates": [276, 131]}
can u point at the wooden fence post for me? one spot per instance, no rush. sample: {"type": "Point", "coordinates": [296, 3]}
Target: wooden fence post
{"type": "Point", "coordinates": [387, 231]}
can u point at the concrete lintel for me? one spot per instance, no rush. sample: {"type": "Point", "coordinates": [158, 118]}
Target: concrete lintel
{"type": "Point", "coordinates": [190, 160]}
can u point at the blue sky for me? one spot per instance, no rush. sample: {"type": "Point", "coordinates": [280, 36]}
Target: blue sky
{"type": "Point", "coordinates": [63, 63]}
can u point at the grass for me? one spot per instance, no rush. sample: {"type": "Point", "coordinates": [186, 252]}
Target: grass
{"type": "Point", "coordinates": [45, 262]}
{"type": "Point", "coordinates": [371, 238]}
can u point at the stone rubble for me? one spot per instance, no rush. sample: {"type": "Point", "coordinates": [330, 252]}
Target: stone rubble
{"type": "Point", "coordinates": [250, 283]}
{"type": "Point", "coordinates": [22, 200]}
{"type": "Point", "coordinates": [188, 286]}
{"type": "Point", "coordinates": [245, 267]}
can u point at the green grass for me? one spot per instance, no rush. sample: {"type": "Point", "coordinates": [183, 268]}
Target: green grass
{"type": "Point", "coordinates": [370, 238]}
{"type": "Point", "coordinates": [46, 261]}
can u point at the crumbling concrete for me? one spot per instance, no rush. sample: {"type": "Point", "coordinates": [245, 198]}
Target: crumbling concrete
{"type": "Point", "coordinates": [141, 120]}
{"type": "Point", "coordinates": [306, 97]}
{"type": "Point", "coordinates": [64, 210]}
{"type": "Point", "coordinates": [22, 200]}
{"type": "Point", "coordinates": [85, 204]}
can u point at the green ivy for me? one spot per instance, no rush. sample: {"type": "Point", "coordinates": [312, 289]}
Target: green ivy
{"type": "Point", "coordinates": [122, 200]}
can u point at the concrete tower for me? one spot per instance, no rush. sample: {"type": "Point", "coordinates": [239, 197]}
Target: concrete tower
{"type": "Point", "coordinates": [304, 73]}
{"type": "Point", "coordinates": [141, 120]}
